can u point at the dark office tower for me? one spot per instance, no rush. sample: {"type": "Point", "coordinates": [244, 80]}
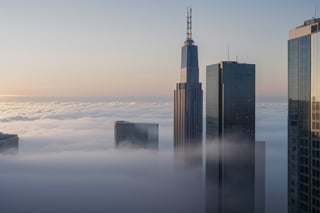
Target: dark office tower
{"type": "Point", "coordinates": [304, 118]}
{"type": "Point", "coordinates": [136, 135]}
{"type": "Point", "coordinates": [230, 100]}
{"type": "Point", "coordinates": [188, 98]}
{"type": "Point", "coordinates": [230, 131]}
{"type": "Point", "coordinates": [9, 144]}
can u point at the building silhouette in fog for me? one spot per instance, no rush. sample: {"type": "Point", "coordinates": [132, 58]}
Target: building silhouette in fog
{"type": "Point", "coordinates": [230, 134]}
{"type": "Point", "coordinates": [188, 99]}
{"type": "Point", "coordinates": [9, 143]}
{"type": "Point", "coordinates": [304, 118]}
{"type": "Point", "coordinates": [136, 135]}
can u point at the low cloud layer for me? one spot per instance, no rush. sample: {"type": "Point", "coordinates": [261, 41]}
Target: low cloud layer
{"type": "Point", "coordinates": [271, 127]}
{"type": "Point", "coordinates": [97, 181]}
{"type": "Point", "coordinates": [67, 161]}
{"type": "Point", "coordinates": [52, 126]}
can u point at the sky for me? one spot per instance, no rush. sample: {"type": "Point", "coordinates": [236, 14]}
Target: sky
{"type": "Point", "coordinates": [67, 161]}
{"type": "Point", "coordinates": [133, 48]}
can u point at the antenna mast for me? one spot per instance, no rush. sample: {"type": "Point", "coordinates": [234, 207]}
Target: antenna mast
{"type": "Point", "coordinates": [228, 51]}
{"type": "Point", "coordinates": [315, 10]}
{"type": "Point", "coordinates": [189, 24]}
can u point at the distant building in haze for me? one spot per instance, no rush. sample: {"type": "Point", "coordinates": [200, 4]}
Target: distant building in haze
{"type": "Point", "coordinates": [188, 98]}
{"type": "Point", "coordinates": [9, 143]}
{"type": "Point", "coordinates": [136, 135]}
{"type": "Point", "coordinates": [230, 134]}
{"type": "Point", "coordinates": [304, 118]}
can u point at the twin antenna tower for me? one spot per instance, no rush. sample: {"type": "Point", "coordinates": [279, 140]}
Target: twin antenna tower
{"type": "Point", "coordinates": [189, 24]}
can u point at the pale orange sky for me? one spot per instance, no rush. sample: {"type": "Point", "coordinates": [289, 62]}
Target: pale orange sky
{"type": "Point", "coordinates": [121, 48]}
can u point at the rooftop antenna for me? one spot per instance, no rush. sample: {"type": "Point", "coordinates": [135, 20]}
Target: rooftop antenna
{"type": "Point", "coordinates": [228, 51]}
{"type": "Point", "coordinates": [315, 10]}
{"type": "Point", "coordinates": [189, 24]}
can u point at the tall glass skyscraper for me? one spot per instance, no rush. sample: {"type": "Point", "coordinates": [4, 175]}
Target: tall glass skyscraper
{"type": "Point", "coordinates": [230, 131]}
{"type": "Point", "coordinates": [188, 97]}
{"type": "Point", "coordinates": [230, 100]}
{"type": "Point", "coordinates": [304, 118]}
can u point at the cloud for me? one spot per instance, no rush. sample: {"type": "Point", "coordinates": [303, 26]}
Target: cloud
{"type": "Point", "coordinates": [271, 127]}
{"type": "Point", "coordinates": [45, 126]}
{"type": "Point", "coordinates": [67, 161]}
{"type": "Point", "coordinates": [102, 181]}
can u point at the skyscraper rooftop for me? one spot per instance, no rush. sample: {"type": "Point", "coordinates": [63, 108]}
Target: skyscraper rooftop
{"type": "Point", "coordinates": [309, 26]}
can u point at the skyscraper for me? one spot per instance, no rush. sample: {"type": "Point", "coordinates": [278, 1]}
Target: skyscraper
{"type": "Point", "coordinates": [136, 135]}
{"type": "Point", "coordinates": [304, 118]}
{"type": "Point", "coordinates": [188, 97]}
{"type": "Point", "coordinates": [230, 100]}
{"type": "Point", "coordinates": [230, 131]}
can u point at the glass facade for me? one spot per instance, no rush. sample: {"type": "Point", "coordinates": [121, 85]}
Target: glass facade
{"type": "Point", "coordinates": [189, 64]}
{"type": "Point", "coordinates": [303, 119]}
{"type": "Point", "coordinates": [230, 131]}
{"type": "Point", "coordinates": [230, 100]}
{"type": "Point", "coordinates": [213, 98]}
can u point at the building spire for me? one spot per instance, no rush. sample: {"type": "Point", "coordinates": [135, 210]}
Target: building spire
{"type": "Point", "coordinates": [189, 25]}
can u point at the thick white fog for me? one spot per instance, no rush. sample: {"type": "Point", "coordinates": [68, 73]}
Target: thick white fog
{"type": "Point", "coordinates": [67, 161]}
